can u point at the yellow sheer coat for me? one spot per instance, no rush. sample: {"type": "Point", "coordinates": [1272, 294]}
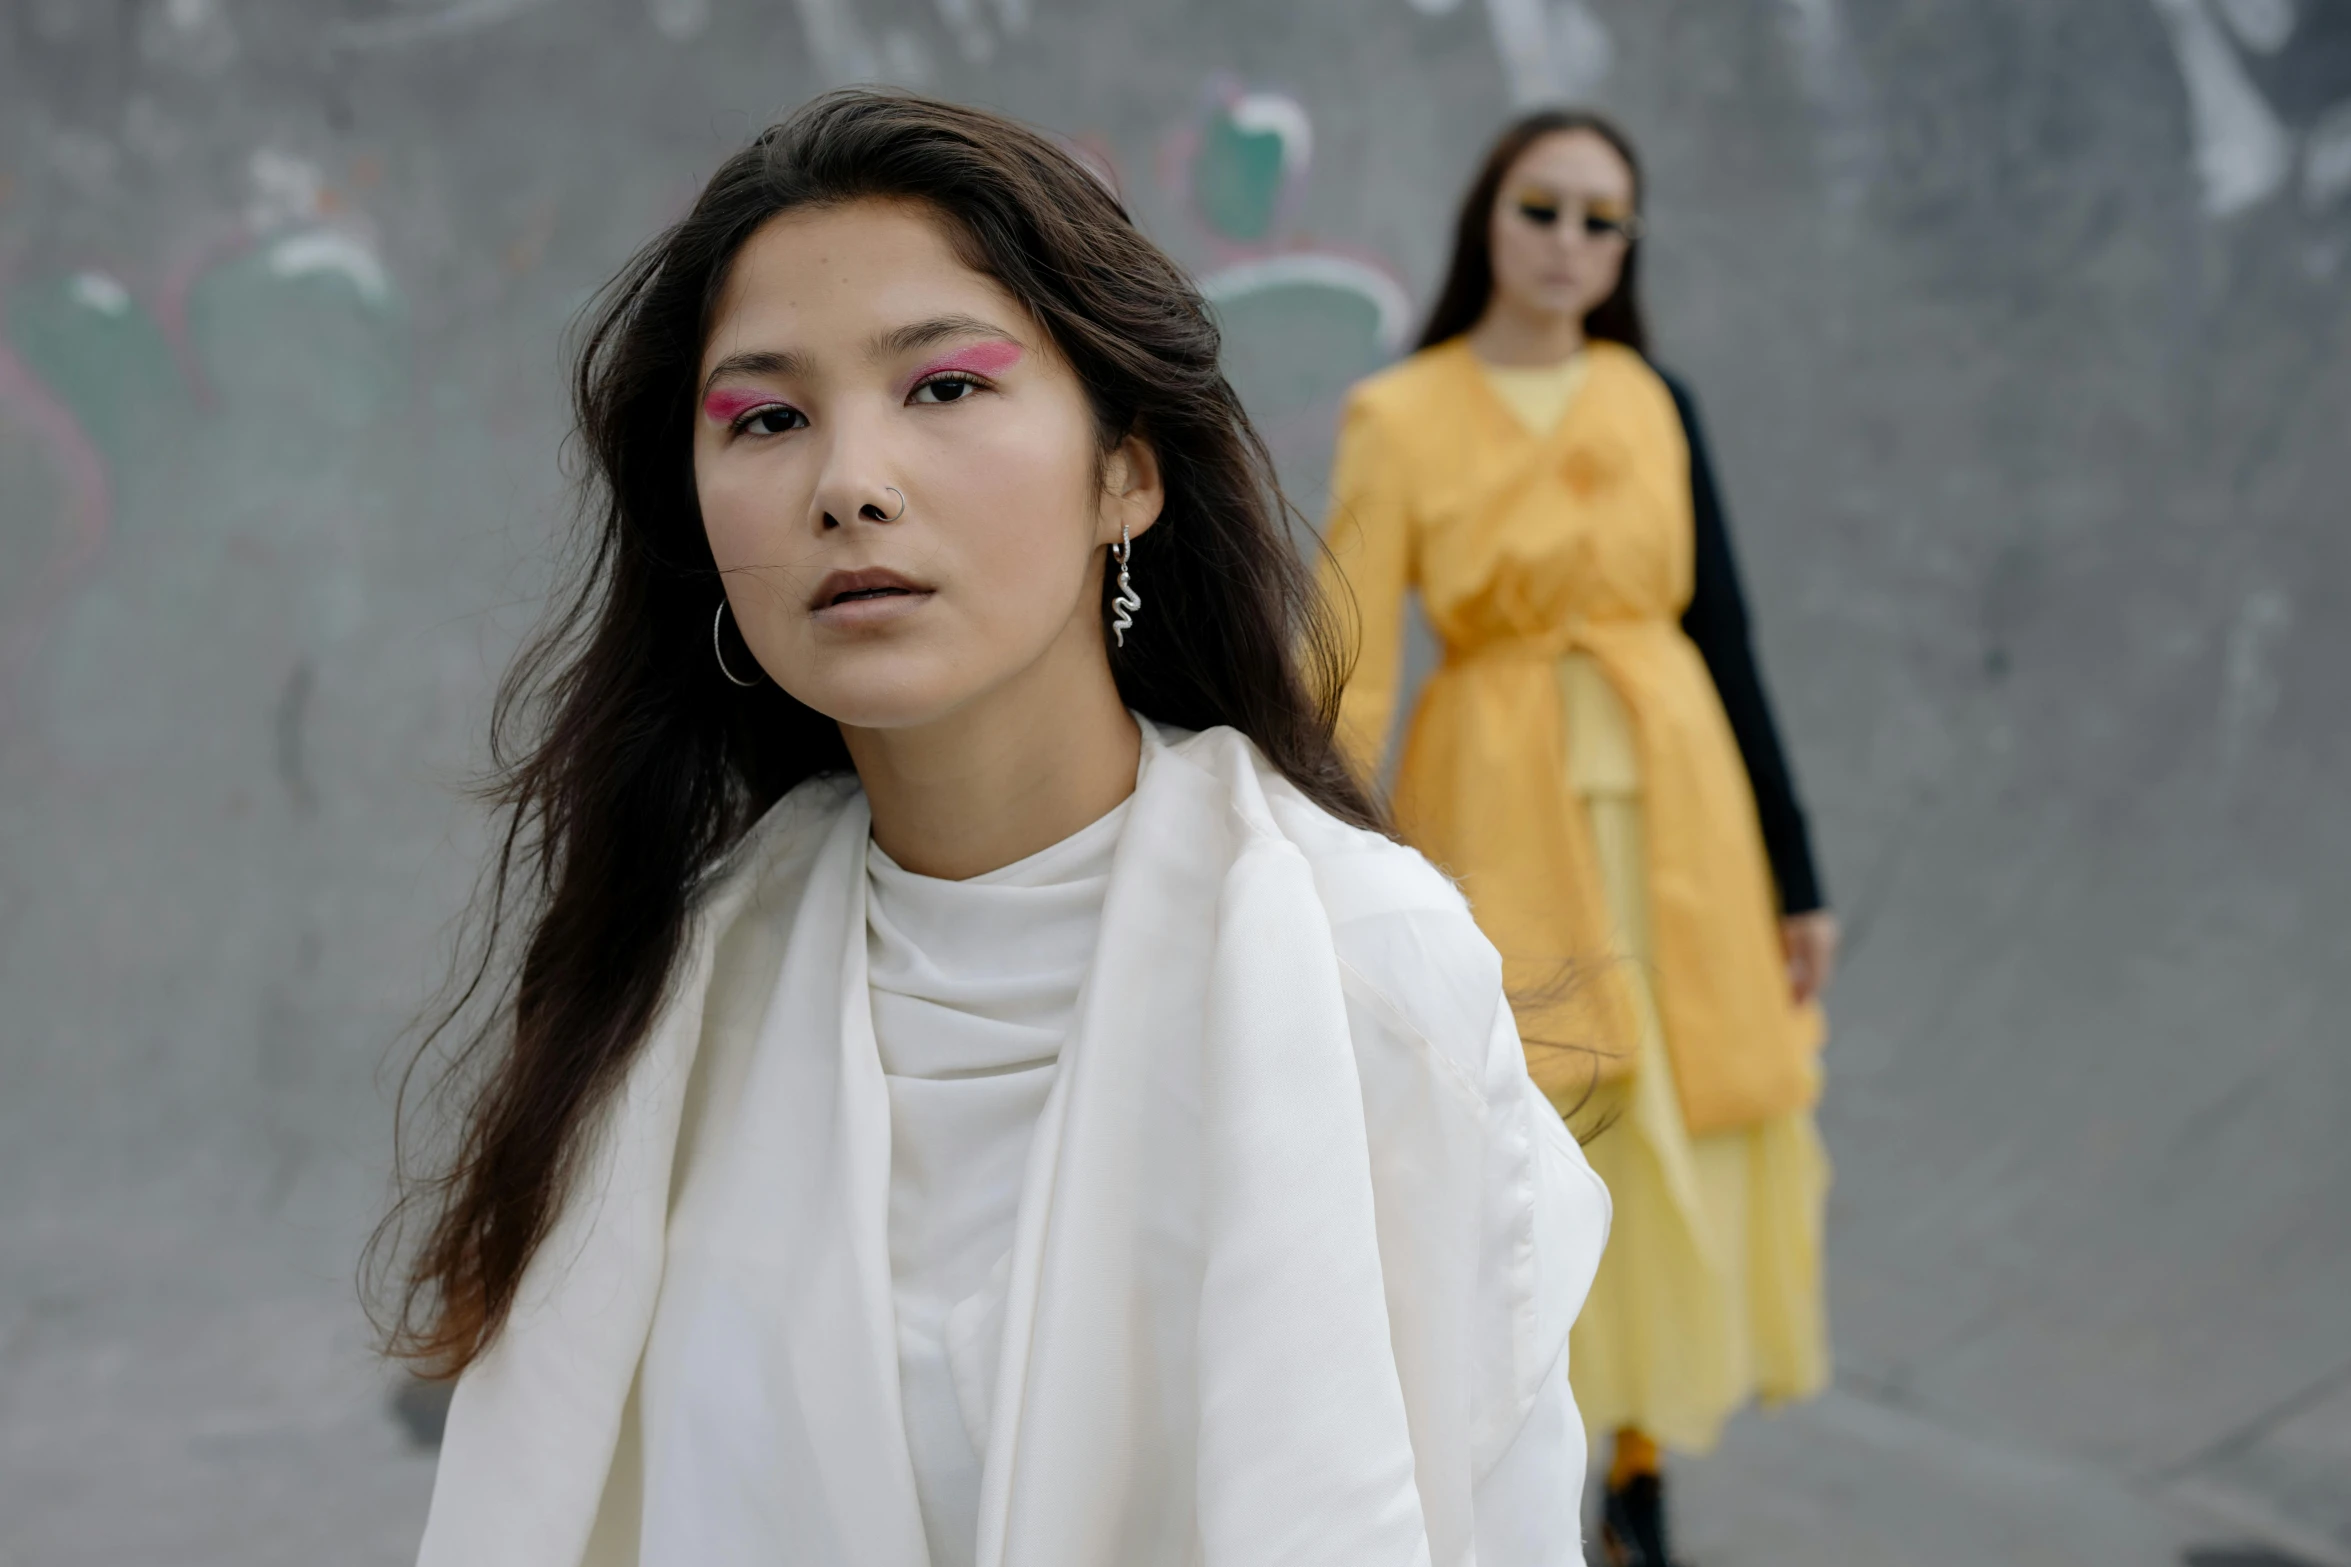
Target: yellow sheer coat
{"type": "Point", "coordinates": [1525, 548]}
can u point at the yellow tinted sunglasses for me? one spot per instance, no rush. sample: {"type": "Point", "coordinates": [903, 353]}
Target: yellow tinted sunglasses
{"type": "Point", "coordinates": [1598, 219]}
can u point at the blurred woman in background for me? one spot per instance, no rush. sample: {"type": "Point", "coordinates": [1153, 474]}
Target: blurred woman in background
{"type": "Point", "coordinates": [1596, 762]}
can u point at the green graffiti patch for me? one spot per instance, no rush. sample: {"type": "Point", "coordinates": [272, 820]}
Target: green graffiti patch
{"type": "Point", "coordinates": [99, 352]}
{"type": "Point", "coordinates": [1291, 345]}
{"type": "Point", "coordinates": [314, 347]}
{"type": "Point", "coordinates": [1237, 178]}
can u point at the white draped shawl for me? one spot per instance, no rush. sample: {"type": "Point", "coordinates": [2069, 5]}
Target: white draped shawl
{"type": "Point", "coordinates": [1297, 1255]}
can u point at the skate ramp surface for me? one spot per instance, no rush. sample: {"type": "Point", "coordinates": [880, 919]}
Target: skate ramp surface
{"type": "Point", "coordinates": [2021, 332]}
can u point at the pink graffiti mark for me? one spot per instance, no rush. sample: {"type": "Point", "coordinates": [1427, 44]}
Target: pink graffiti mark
{"type": "Point", "coordinates": [88, 519]}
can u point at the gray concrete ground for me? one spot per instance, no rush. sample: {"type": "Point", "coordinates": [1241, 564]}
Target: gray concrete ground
{"type": "Point", "coordinates": [1848, 1482]}
{"type": "Point", "coordinates": [2022, 331]}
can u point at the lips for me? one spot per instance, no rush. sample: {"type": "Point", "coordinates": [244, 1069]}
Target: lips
{"type": "Point", "coordinates": [872, 586]}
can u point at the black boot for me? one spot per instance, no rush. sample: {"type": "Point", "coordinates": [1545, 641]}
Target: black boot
{"type": "Point", "coordinates": [1632, 1524]}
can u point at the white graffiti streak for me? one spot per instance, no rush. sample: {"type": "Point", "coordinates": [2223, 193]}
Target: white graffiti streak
{"type": "Point", "coordinates": [1285, 117]}
{"type": "Point", "coordinates": [194, 35]}
{"type": "Point", "coordinates": [287, 190]}
{"type": "Point", "coordinates": [1551, 51]}
{"type": "Point", "coordinates": [102, 292]}
{"type": "Point", "coordinates": [2262, 26]}
{"type": "Point", "coordinates": [2242, 153]}
{"type": "Point", "coordinates": [448, 21]}
{"type": "Point", "coordinates": [844, 53]}
{"type": "Point", "coordinates": [331, 253]}
{"type": "Point", "coordinates": [678, 20]}
{"type": "Point", "coordinates": [1841, 101]}
{"type": "Point", "coordinates": [2249, 682]}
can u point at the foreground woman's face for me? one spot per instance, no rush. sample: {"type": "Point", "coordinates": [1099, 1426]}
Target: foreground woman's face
{"type": "Point", "coordinates": [898, 473]}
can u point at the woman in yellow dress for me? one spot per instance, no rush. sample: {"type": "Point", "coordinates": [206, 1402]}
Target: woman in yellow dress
{"type": "Point", "coordinates": [1596, 762]}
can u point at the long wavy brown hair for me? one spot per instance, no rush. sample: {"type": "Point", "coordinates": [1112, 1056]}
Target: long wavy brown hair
{"type": "Point", "coordinates": [1469, 278]}
{"type": "Point", "coordinates": [626, 765]}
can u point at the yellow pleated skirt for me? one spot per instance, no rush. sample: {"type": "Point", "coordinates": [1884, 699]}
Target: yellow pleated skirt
{"type": "Point", "coordinates": [1710, 1293]}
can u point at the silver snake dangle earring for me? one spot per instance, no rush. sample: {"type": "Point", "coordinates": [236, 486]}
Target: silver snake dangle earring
{"type": "Point", "coordinates": [1123, 607]}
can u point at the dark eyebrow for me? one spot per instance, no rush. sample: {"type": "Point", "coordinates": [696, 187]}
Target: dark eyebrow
{"type": "Point", "coordinates": [762, 362]}
{"type": "Point", "coordinates": [922, 334]}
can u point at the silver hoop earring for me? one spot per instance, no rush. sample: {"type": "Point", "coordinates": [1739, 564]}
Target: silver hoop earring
{"type": "Point", "coordinates": [901, 511]}
{"type": "Point", "coordinates": [719, 652]}
{"type": "Point", "coordinates": [1123, 607]}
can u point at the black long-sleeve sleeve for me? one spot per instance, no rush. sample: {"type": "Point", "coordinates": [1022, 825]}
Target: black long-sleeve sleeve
{"type": "Point", "coordinates": [1717, 621]}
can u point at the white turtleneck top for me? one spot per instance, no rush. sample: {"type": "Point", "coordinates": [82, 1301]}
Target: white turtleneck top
{"type": "Point", "coordinates": [974, 984]}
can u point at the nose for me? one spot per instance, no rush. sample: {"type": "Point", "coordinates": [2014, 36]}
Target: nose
{"type": "Point", "coordinates": [855, 482]}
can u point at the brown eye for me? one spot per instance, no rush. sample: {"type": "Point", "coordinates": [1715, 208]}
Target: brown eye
{"type": "Point", "coordinates": [946, 389]}
{"type": "Point", "coordinates": [774, 419]}
{"type": "Point", "coordinates": [1540, 213]}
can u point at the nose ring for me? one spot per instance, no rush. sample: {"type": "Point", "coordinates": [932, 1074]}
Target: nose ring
{"type": "Point", "coordinates": [901, 511]}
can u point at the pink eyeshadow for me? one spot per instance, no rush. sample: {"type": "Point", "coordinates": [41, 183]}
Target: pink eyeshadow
{"type": "Point", "coordinates": [729, 403]}
{"type": "Point", "coordinates": [992, 358]}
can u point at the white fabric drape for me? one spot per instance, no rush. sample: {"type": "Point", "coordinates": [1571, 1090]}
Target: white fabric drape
{"type": "Point", "coordinates": [1297, 1250]}
{"type": "Point", "coordinates": [975, 985]}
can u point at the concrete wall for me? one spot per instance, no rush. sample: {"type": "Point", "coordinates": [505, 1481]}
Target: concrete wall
{"type": "Point", "coordinates": [2023, 332]}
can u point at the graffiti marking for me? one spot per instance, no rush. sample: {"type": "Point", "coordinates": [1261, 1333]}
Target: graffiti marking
{"type": "Point", "coordinates": [464, 16]}
{"type": "Point", "coordinates": [1550, 51]}
{"type": "Point", "coordinates": [1392, 305]}
{"type": "Point", "coordinates": [193, 35]}
{"type": "Point", "coordinates": [100, 292]}
{"type": "Point", "coordinates": [2249, 678]}
{"type": "Point", "coordinates": [2262, 26]}
{"type": "Point", "coordinates": [679, 20]}
{"type": "Point", "coordinates": [1249, 160]}
{"type": "Point", "coordinates": [2267, 80]}
{"type": "Point", "coordinates": [331, 252]}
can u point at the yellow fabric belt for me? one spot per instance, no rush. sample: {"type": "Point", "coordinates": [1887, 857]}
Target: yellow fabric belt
{"type": "Point", "coordinates": [1603, 751]}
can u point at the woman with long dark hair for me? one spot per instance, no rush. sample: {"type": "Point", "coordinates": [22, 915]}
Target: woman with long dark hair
{"type": "Point", "coordinates": [1596, 763]}
{"type": "Point", "coordinates": [976, 1085]}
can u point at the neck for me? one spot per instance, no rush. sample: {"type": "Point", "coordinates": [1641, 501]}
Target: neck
{"type": "Point", "coordinates": [1515, 335]}
{"type": "Point", "coordinates": [1011, 772]}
